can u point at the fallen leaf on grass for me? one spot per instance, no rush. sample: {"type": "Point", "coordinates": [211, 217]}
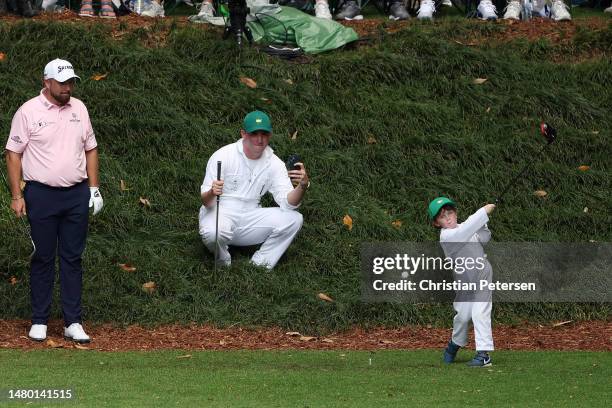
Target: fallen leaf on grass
{"type": "Point", "coordinates": [479, 81]}
{"type": "Point", "coordinates": [294, 135]}
{"type": "Point", "coordinates": [127, 267]}
{"type": "Point", "coordinates": [54, 344]}
{"type": "Point", "coordinates": [372, 140]}
{"type": "Point", "coordinates": [80, 347]}
{"type": "Point", "coordinates": [307, 338]}
{"type": "Point", "coordinates": [595, 132]}
{"type": "Point", "coordinates": [585, 209]}
{"type": "Point", "coordinates": [99, 77]}
{"type": "Point", "coordinates": [266, 100]}
{"type": "Point", "coordinates": [584, 168]}
{"type": "Point", "coordinates": [397, 224]}
{"type": "Point", "coordinates": [13, 280]}
{"type": "Point", "coordinates": [145, 202]}
{"type": "Point", "coordinates": [293, 334]}
{"type": "Point", "coordinates": [149, 287]}
{"type": "Point", "coordinates": [248, 82]}
{"type": "Point", "coordinates": [348, 221]}
{"type": "Point", "coordinates": [123, 186]}
{"type": "Point", "coordinates": [324, 297]}
{"type": "Point", "coordinates": [540, 193]}
{"type": "Point", "coordinates": [488, 109]}
{"type": "Point", "coordinates": [2, 56]}
{"type": "Point", "coordinates": [562, 323]}
{"type": "Point", "coordinates": [289, 81]}
{"type": "Point", "coordinates": [185, 356]}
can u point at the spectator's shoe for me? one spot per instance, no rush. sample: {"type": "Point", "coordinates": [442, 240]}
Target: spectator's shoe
{"type": "Point", "coordinates": [608, 10]}
{"type": "Point", "coordinates": [27, 10]}
{"type": "Point", "coordinates": [38, 332]}
{"type": "Point", "coordinates": [76, 333]}
{"type": "Point", "coordinates": [482, 359]}
{"type": "Point", "coordinates": [349, 11]}
{"type": "Point", "coordinates": [559, 11]}
{"type": "Point", "coordinates": [397, 11]}
{"type": "Point", "coordinates": [486, 10]}
{"type": "Point", "coordinates": [322, 10]}
{"type": "Point", "coordinates": [207, 11]}
{"type": "Point", "coordinates": [87, 9]}
{"type": "Point", "coordinates": [426, 10]}
{"type": "Point", "coordinates": [450, 352]}
{"type": "Point", "coordinates": [513, 10]}
{"type": "Point", "coordinates": [106, 10]}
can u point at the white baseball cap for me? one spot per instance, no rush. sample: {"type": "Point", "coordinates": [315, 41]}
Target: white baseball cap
{"type": "Point", "coordinates": [60, 70]}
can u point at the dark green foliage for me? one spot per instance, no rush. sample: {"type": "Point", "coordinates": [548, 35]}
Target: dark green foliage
{"type": "Point", "coordinates": [163, 110]}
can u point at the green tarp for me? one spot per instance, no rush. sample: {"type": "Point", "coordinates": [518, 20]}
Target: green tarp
{"type": "Point", "coordinates": [312, 34]}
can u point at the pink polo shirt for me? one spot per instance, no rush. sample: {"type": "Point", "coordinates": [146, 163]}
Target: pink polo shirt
{"type": "Point", "coordinates": [53, 140]}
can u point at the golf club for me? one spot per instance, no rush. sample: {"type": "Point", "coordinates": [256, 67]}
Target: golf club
{"type": "Point", "coordinates": [217, 221]}
{"type": "Point", "coordinates": [26, 227]}
{"type": "Point", "coordinates": [550, 134]}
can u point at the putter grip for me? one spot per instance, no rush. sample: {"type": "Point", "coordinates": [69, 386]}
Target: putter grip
{"type": "Point", "coordinates": [219, 170]}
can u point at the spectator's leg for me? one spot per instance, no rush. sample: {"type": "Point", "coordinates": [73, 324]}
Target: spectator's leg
{"type": "Point", "coordinates": [87, 9]}
{"type": "Point", "coordinates": [106, 9]}
{"type": "Point", "coordinates": [322, 9]}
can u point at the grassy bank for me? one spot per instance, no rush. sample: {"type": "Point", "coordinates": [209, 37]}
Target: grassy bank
{"type": "Point", "coordinates": [382, 128]}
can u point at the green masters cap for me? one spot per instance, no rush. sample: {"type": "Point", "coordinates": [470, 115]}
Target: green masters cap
{"type": "Point", "coordinates": [436, 205]}
{"type": "Point", "coordinates": [257, 120]}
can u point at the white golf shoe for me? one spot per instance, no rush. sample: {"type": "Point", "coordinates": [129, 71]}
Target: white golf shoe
{"type": "Point", "coordinates": [486, 10]}
{"type": "Point", "coordinates": [38, 332]}
{"type": "Point", "coordinates": [426, 10]}
{"type": "Point", "coordinates": [513, 10]}
{"type": "Point", "coordinates": [559, 11]}
{"type": "Point", "coordinates": [322, 10]}
{"type": "Point", "coordinates": [76, 333]}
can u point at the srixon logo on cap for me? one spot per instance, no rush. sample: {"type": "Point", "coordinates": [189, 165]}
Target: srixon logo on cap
{"type": "Point", "coordinates": [61, 68]}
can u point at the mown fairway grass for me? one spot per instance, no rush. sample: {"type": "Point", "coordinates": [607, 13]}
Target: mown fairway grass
{"type": "Point", "coordinates": [312, 378]}
{"type": "Point", "coordinates": [164, 109]}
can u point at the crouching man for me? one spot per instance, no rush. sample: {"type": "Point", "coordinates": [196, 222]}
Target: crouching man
{"type": "Point", "coordinates": [250, 169]}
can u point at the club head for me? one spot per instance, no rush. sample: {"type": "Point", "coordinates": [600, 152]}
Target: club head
{"type": "Point", "coordinates": [549, 132]}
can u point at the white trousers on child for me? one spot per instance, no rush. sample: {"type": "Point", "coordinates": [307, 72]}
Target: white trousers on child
{"type": "Point", "coordinates": [274, 228]}
{"type": "Point", "coordinates": [479, 313]}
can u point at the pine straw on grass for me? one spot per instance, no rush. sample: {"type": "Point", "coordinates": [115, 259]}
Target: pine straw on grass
{"type": "Point", "coordinates": [588, 335]}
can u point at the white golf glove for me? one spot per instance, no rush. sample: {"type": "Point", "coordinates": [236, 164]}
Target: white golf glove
{"type": "Point", "coordinates": [95, 200]}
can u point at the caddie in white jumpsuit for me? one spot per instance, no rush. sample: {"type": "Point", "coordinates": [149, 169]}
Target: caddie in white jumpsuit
{"type": "Point", "coordinates": [250, 169]}
{"type": "Point", "coordinates": [466, 241]}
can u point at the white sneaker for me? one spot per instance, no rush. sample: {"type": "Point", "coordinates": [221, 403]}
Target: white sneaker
{"type": "Point", "coordinates": [608, 10]}
{"type": "Point", "coordinates": [322, 10]}
{"type": "Point", "coordinates": [513, 10]}
{"type": "Point", "coordinates": [76, 333]}
{"type": "Point", "coordinates": [559, 11]}
{"type": "Point", "coordinates": [486, 10]}
{"type": "Point", "coordinates": [38, 332]}
{"type": "Point", "coordinates": [207, 11]}
{"type": "Point", "coordinates": [426, 10]}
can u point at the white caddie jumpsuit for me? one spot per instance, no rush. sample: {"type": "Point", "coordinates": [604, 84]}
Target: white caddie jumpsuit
{"type": "Point", "coordinates": [466, 241]}
{"type": "Point", "coordinates": [242, 221]}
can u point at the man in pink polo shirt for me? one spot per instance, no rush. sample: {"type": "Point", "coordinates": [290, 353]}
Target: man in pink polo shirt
{"type": "Point", "coordinates": [52, 146]}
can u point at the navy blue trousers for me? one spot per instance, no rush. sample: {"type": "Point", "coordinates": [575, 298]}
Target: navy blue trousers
{"type": "Point", "coordinates": [58, 218]}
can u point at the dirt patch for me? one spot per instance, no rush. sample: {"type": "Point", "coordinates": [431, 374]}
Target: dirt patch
{"type": "Point", "coordinates": [591, 335]}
